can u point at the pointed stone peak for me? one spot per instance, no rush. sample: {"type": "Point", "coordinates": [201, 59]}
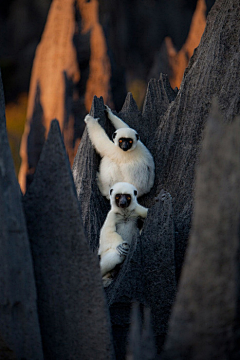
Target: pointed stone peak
{"type": "Point", "coordinates": [61, 256]}
{"type": "Point", "coordinates": [97, 106]}
{"type": "Point", "coordinates": [130, 104]}
{"type": "Point", "coordinates": [18, 308]}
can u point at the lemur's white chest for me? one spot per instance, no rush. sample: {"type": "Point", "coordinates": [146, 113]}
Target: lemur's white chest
{"type": "Point", "coordinates": [127, 227]}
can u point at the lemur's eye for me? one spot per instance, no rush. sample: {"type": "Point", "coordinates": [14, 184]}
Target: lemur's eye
{"type": "Point", "coordinates": [130, 141]}
{"type": "Point", "coordinates": [120, 141]}
{"type": "Point", "coordinates": [129, 197]}
{"type": "Point", "coordinates": [117, 197]}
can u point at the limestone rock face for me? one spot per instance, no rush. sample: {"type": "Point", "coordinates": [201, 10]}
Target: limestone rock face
{"type": "Point", "coordinates": [203, 317]}
{"type": "Point", "coordinates": [171, 126]}
{"type": "Point", "coordinates": [71, 65]}
{"type": "Point", "coordinates": [19, 326]}
{"type": "Point", "coordinates": [73, 315]}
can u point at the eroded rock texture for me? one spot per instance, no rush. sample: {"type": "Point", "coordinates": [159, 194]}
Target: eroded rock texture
{"type": "Point", "coordinates": [171, 126]}
{"type": "Point", "coordinates": [72, 310]}
{"type": "Point", "coordinates": [71, 65]}
{"type": "Point", "coordinates": [141, 336]}
{"type": "Point", "coordinates": [203, 317]}
{"type": "Point", "coordinates": [19, 327]}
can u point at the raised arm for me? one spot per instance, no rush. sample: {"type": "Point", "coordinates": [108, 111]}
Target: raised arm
{"type": "Point", "coordinates": [101, 142]}
{"type": "Point", "coordinates": [115, 120]}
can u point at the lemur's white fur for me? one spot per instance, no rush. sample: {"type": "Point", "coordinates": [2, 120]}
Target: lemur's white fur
{"type": "Point", "coordinates": [135, 166]}
{"type": "Point", "coordinates": [119, 227]}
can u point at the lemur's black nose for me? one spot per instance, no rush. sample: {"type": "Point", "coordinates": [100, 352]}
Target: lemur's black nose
{"type": "Point", "coordinates": [123, 201]}
{"type": "Point", "coordinates": [125, 145]}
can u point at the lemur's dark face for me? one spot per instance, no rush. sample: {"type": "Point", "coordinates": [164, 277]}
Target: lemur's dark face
{"type": "Point", "coordinates": [126, 139]}
{"type": "Point", "coordinates": [125, 143]}
{"type": "Point", "coordinates": [123, 200]}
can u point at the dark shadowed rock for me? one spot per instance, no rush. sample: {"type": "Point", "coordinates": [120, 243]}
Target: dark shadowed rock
{"type": "Point", "coordinates": [141, 344]}
{"type": "Point", "coordinates": [135, 332]}
{"type": "Point", "coordinates": [72, 310]}
{"type": "Point", "coordinates": [19, 327]}
{"type": "Point", "coordinates": [94, 207]}
{"type": "Point", "coordinates": [158, 264]}
{"type": "Point", "coordinates": [214, 69]}
{"type": "Point", "coordinates": [125, 289]}
{"type": "Point", "coordinates": [201, 325]}
{"type": "Point", "coordinates": [147, 276]}
{"type": "Point", "coordinates": [173, 131]}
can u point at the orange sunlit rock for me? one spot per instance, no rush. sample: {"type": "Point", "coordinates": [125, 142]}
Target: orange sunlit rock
{"type": "Point", "coordinates": [56, 55]}
{"type": "Point", "coordinates": [178, 61]}
{"type": "Point", "coordinates": [99, 76]}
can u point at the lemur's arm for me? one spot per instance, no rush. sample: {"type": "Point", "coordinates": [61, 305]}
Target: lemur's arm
{"type": "Point", "coordinates": [101, 142]}
{"type": "Point", "coordinates": [115, 120]}
{"type": "Point", "coordinates": [141, 211]}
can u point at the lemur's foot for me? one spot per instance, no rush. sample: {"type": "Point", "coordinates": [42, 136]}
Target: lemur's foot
{"type": "Point", "coordinates": [123, 248]}
{"type": "Point", "coordinates": [107, 280]}
{"type": "Point", "coordinates": [89, 118]}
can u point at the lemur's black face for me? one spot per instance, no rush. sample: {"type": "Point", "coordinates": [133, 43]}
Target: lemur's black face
{"type": "Point", "coordinates": [123, 200]}
{"type": "Point", "coordinates": [125, 143]}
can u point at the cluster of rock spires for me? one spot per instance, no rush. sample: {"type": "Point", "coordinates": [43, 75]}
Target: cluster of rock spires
{"type": "Point", "coordinates": [52, 304]}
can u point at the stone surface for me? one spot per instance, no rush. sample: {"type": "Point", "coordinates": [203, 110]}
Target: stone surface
{"type": "Point", "coordinates": [19, 327]}
{"type": "Point", "coordinates": [203, 316]}
{"type": "Point", "coordinates": [73, 315]}
{"type": "Point", "coordinates": [147, 276]}
{"type": "Point", "coordinates": [68, 72]}
{"type": "Point", "coordinates": [94, 207]}
{"type": "Point", "coordinates": [158, 264]}
{"type": "Point", "coordinates": [213, 70]}
{"type": "Point", "coordinates": [171, 126]}
{"type": "Point", "coordinates": [141, 342]}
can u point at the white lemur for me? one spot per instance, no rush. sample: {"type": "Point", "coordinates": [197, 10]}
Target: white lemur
{"type": "Point", "coordinates": [119, 227]}
{"type": "Point", "coordinates": [125, 159]}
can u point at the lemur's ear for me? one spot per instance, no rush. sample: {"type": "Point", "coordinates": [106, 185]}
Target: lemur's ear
{"type": "Point", "coordinates": [137, 136]}
{"type": "Point", "coordinates": [111, 190]}
{"type": "Point", "coordinates": [114, 135]}
{"type": "Point", "coordinates": [135, 192]}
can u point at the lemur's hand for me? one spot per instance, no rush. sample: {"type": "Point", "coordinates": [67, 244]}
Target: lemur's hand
{"type": "Point", "coordinates": [123, 248]}
{"type": "Point", "coordinates": [89, 119]}
{"type": "Point", "coordinates": [107, 110]}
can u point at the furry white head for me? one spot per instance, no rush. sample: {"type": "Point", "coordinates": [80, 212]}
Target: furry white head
{"type": "Point", "coordinates": [125, 138]}
{"type": "Point", "coordinates": [123, 196]}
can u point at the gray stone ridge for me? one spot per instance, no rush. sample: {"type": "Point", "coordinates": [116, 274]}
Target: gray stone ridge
{"type": "Point", "coordinates": [171, 125]}
{"type": "Point", "coordinates": [177, 294]}
{"type": "Point", "coordinates": [19, 325]}
{"type": "Point", "coordinates": [72, 309]}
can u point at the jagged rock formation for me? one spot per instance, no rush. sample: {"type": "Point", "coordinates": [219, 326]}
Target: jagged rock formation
{"type": "Point", "coordinates": [135, 280]}
{"type": "Point", "coordinates": [202, 321]}
{"type": "Point", "coordinates": [171, 125]}
{"type": "Point", "coordinates": [141, 337]}
{"type": "Point", "coordinates": [177, 61]}
{"type": "Point", "coordinates": [72, 309]}
{"type": "Point", "coordinates": [70, 67]}
{"type": "Point", "coordinates": [71, 304]}
{"type": "Point", "coordinates": [19, 327]}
